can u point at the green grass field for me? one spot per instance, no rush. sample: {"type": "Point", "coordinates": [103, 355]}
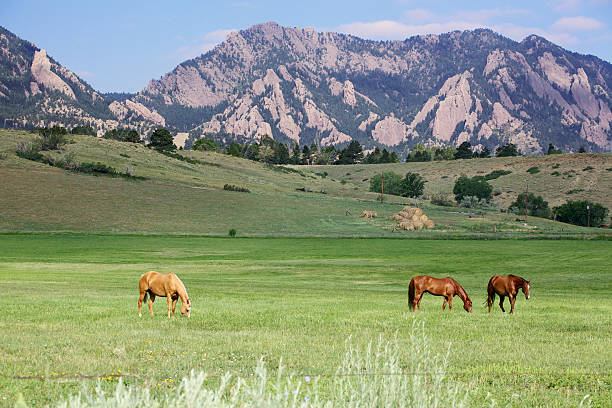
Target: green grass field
{"type": "Point", "coordinates": [69, 309]}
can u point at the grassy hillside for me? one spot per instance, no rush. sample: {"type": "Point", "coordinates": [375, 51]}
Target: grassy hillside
{"type": "Point", "coordinates": [188, 197]}
{"type": "Point", "coordinates": [557, 178]}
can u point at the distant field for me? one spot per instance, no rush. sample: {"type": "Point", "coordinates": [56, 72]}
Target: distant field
{"type": "Point", "coordinates": [70, 309]}
{"type": "Point", "coordinates": [179, 197]}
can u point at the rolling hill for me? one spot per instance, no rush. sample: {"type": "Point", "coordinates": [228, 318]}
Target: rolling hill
{"type": "Point", "coordinates": [187, 196]}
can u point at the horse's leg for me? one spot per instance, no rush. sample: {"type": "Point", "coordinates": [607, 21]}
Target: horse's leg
{"type": "Point", "coordinates": [501, 303]}
{"type": "Point", "coordinates": [174, 306]}
{"type": "Point", "coordinates": [169, 297]}
{"type": "Point", "coordinates": [450, 303]}
{"type": "Point", "coordinates": [419, 297]}
{"type": "Point", "coordinates": [140, 299]}
{"type": "Point", "coordinates": [444, 304]}
{"type": "Point", "coordinates": [512, 300]}
{"type": "Point", "coordinates": [150, 303]}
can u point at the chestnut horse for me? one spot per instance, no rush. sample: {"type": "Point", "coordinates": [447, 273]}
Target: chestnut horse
{"type": "Point", "coordinates": [165, 285]}
{"type": "Point", "coordinates": [447, 287]}
{"type": "Point", "coordinates": [506, 286]}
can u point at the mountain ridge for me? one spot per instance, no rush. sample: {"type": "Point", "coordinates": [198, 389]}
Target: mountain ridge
{"type": "Point", "coordinates": [298, 85]}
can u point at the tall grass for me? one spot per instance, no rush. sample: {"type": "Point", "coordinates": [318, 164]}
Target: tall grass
{"type": "Point", "coordinates": [373, 377]}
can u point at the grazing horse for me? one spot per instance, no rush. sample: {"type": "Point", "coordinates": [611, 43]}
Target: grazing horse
{"type": "Point", "coordinates": [447, 287]}
{"type": "Point", "coordinates": [165, 285]}
{"type": "Point", "coordinates": [506, 286]}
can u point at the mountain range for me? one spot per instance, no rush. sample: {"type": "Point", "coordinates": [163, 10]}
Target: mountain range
{"type": "Point", "coordinates": [303, 86]}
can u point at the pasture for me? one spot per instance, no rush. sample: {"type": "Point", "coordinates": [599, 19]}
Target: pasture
{"type": "Point", "coordinates": [69, 310]}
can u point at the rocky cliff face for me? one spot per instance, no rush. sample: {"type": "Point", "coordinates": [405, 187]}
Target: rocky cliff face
{"type": "Point", "coordinates": [36, 91]}
{"type": "Point", "coordinates": [300, 85]}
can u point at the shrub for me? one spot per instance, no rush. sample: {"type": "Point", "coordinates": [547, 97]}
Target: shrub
{"type": "Point", "coordinates": [375, 376]}
{"type": "Point", "coordinates": [587, 168]}
{"type": "Point", "coordinates": [474, 186]}
{"type": "Point", "coordinates": [507, 150]}
{"type": "Point", "coordinates": [392, 183]}
{"type": "Point", "coordinates": [496, 174]}
{"type": "Point", "coordinates": [231, 187]}
{"type": "Point", "coordinates": [29, 151]}
{"type": "Point", "coordinates": [96, 168]}
{"type": "Point", "coordinates": [52, 138]}
{"type": "Point", "coordinates": [556, 166]}
{"type": "Point", "coordinates": [205, 145]}
{"type": "Point", "coordinates": [533, 170]}
{"type": "Point", "coordinates": [555, 173]}
{"type": "Point", "coordinates": [232, 232]}
{"type": "Point", "coordinates": [575, 212]}
{"type": "Point", "coordinates": [123, 135]}
{"type": "Point", "coordinates": [536, 206]}
{"type": "Point", "coordinates": [441, 199]}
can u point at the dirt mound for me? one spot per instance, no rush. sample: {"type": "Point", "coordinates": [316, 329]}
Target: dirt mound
{"type": "Point", "coordinates": [411, 218]}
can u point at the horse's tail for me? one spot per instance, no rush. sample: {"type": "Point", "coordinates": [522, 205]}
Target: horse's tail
{"type": "Point", "coordinates": [411, 295]}
{"type": "Point", "coordinates": [146, 297]}
{"type": "Point", "coordinates": [491, 291]}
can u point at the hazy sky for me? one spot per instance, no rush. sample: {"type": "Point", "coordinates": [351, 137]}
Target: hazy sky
{"type": "Point", "coordinates": [120, 45]}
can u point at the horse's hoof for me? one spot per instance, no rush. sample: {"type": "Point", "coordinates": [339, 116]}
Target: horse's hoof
{"type": "Point", "coordinates": [139, 314]}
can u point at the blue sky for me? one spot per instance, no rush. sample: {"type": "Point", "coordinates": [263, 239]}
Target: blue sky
{"type": "Point", "coordinates": [119, 46]}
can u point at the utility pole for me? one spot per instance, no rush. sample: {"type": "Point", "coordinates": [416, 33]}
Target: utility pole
{"type": "Point", "coordinates": [382, 186]}
{"type": "Point", "coordinates": [588, 216]}
{"type": "Point", "coordinates": [526, 201]}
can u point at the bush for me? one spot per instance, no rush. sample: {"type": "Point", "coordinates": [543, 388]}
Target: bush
{"type": "Point", "coordinates": [496, 174]}
{"type": "Point", "coordinates": [29, 151]}
{"type": "Point", "coordinates": [575, 212]}
{"type": "Point", "coordinates": [375, 376]}
{"type": "Point", "coordinates": [232, 232]}
{"type": "Point", "coordinates": [475, 186]}
{"type": "Point", "coordinates": [52, 138]}
{"type": "Point", "coordinates": [96, 168]}
{"type": "Point", "coordinates": [231, 187]}
{"type": "Point", "coordinates": [392, 183]}
{"type": "Point", "coordinates": [441, 199]}
{"type": "Point", "coordinates": [536, 206]}
{"type": "Point", "coordinates": [205, 145]}
{"type": "Point", "coordinates": [507, 150]}
{"type": "Point", "coordinates": [123, 135]}
{"type": "Point", "coordinates": [84, 130]}
{"type": "Point", "coordinates": [533, 170]}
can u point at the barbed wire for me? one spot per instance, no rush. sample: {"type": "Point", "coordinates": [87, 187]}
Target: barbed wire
{"type": "Point", "coordinates": [76, 377]}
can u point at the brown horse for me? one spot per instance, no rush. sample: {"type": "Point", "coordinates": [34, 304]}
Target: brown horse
{"type": "Point", "coordinates": [169, 286]}
{"type": "Point", "coordinates": [506, 286]}
{"type": "Point", "coordinates": [447, 287]}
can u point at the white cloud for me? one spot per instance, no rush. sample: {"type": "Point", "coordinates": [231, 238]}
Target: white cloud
{"type": "Point", "coordinates": [206, 43]}
{"type": "Point", "coordinates": [578, 23]}
{"type": "Point", "coordinates": [419, 15]}
{"type": "Point", "coordinates": [564, 6]}
{"type": "Point", "coordinates": [393, 30]}
{"type": "Point", "coordinates": [518, 33]}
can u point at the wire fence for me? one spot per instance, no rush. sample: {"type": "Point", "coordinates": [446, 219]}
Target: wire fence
{"type": "Point", "coordinates": [79, 377]}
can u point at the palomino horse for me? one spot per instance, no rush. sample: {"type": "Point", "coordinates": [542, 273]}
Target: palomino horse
{"type": "Point", "coordinates": [447, 287]}
{"type": "Point", "coordinates": [169, 286]}
{"type": "Point", "coordinates": [506, 286]}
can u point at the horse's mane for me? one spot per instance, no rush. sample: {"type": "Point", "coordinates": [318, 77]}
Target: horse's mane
{"type": "Point", "coordinates": [517, 278]}
{"type": "Point", "coordinates": [459, 289]}
{"type": "Point", "coordinates": [182, 285]}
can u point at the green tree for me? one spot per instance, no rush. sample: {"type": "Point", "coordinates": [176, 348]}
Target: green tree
{"type": "Point", "coordinates": [328, 155]}
{"type": "Point", "coordinates": [484, 153]}
{"type": "Point", "coordinates": [552, 150]}
{"type": "Point", "coordinates": [352, 154]}
{"type": "Point", "coordinates": [413, 185]}
{"type": "Point", "coordinates": [84, 130]}
{"type": "Point", "coordinates": [507, 150]}
{"type": "Point", "coordinates": [576, 212]}
{"type": "Point", "coordinates": [295, 154]}
{"type": "Point", "coordinates": [419, 154]}
{"type": "Point", "coordinates": [162, 141]}
{"type": "Point", "coordinates": [205, 145]}
{"type": "Point", "coordinates": [281, 154]}
{"type": "Point", "coordinates": [234, 149]}
{"type": "Point", "coordinates": [536, 206]}
{"type": "Point", "coordinates": [132, 136]}
{"type": "Point", "coordinates": [305, 155]}
{"type": "Point", "coordinates": [392, 183]}
{"type": "Point", "coordinates": [464, 151]}
{"type": "Point", "coordinates": [475, 186]}
{"type": "Point", "coordinates": [446, 153]}
{"type": "Point", "coordinates": [373, 157]}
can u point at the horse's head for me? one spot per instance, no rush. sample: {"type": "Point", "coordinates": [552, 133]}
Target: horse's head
{"type": "Point", "coordinates": [186, 308]}
{"type": "Point", "coordinates": [467, 305]}
{"type": "Point", "coordinates": [526, 287]}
